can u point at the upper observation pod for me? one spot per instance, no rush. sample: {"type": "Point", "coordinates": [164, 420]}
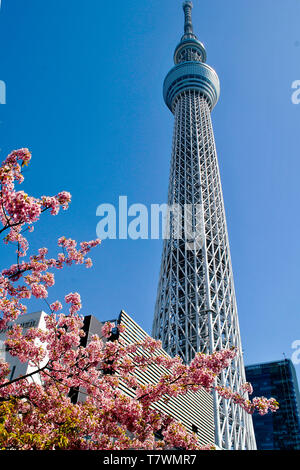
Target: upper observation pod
{"type": "Point", "coordinates": [190, 71]}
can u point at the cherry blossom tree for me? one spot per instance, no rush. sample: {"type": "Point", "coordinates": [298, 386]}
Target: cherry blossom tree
{"type": "Point", "coordinates": [36, 410]}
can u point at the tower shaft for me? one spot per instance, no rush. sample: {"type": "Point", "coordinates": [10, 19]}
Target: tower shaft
{"type": "Point", "coordinates": [196, 305]}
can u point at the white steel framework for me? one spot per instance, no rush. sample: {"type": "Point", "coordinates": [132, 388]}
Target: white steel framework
{"type": "Point", "coordinates": [196, 304]}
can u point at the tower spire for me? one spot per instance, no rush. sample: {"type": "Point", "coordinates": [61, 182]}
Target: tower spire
{"type": "Point", "coordinates": [188, 24]}
{"type": "Point", "coordinates": [190, 49]}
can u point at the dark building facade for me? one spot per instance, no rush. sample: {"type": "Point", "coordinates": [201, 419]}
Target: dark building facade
{"type": "Point", "coordinates": [280, 430]}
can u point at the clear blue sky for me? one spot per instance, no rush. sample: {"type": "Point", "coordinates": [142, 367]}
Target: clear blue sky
{"type": "Point", "coordinates": [84, 93]}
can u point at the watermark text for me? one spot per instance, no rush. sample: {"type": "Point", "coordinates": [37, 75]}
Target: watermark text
{"type": "Point", "coordinates": [137, 221]}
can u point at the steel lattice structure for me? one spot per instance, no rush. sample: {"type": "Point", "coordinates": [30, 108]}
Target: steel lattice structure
{"type": "Point", "coordinates": [196, 304]}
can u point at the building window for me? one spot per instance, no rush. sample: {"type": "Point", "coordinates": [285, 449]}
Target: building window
{"type": "Point", "coordinates": [195, 428]}
{"type": "Point", "coordinates": [12, 373]}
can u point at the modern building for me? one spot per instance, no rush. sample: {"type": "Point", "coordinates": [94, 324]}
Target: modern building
{"type": "Point", "coordinates": [17, 368]}
{"type": "Point", "coordinates": [280, 430]}
{"type": "Point", "coordinates": [194, 410]}
{"type": "Point", "coordinates": [196, 304]}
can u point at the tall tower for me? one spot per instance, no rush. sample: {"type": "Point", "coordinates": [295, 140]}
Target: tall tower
{"type": "Point", "coordinates": [196, 305]}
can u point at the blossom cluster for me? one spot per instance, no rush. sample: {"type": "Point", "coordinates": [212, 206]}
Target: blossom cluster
{"type": "Point", "coordinates": [19, 211]}
{"type": "Point", "coordinates": [32, 278]}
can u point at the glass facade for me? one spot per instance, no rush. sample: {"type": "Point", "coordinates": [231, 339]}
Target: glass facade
{"type": "Point", "coordinates": [280, 430]}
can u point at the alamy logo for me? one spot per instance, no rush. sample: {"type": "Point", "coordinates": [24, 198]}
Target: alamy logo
{"type": "Point", "coordinates": [2, 92]}
{"type": "Point", "coordinates": [296, 354]}
{"type": "Point", "coordinates": [2, 85]}
{"type": "Point", "coordinates": [177, 222]}
{"type": "Point", "coordinates": [296, 93]}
